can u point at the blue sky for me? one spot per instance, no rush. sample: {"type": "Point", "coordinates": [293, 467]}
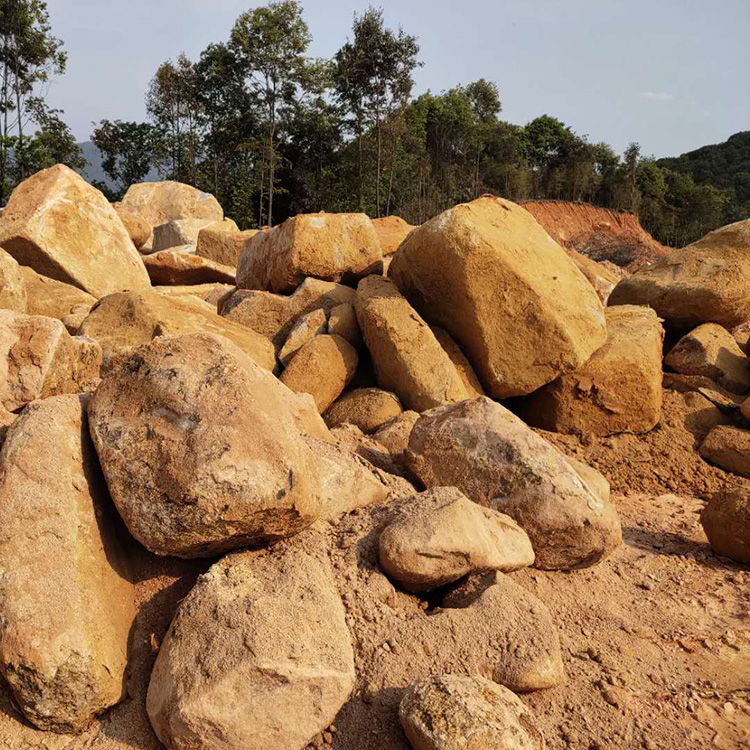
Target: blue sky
{"type": "Point", "coordinates": [670, 74]}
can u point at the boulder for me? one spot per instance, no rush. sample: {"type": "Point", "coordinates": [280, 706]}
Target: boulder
{"type": "Point", "coordinates": [66, 601]}
{"type": "Point", "coordinates": [407, 357]}
{"type": "Point", "coordinates": [138, 229]}
{"type": "Point", "coordinates": [603, 279]}
{"type": "Point", "coordinates": [258, 657]}
{"type": "Point", "coordinates": [367, 408]}
{"type": "Point", "coordinates": [121, 321]}
{"type": "Point", "coordinates": [343, 322]}
{"type": "Point", "coordinates": [741, 334]}
{"type": "Point", "coordinates": [65, 229]}
{"type": "Point", "coordinates": [304, 330]}
{"type": "Point", "coordinates": [706, 282]}
{"type": "Point", "coordinates": [463, 366]}
{"type": "Point", "coordinates": [455, 712]}
{"type": "Point", "coordinates": [394, 435]}
{"type": "Point", "coordinates": [39, 359]}
{"type": "Point", "coordinates": [729, 448]}
{"type": "Point", "coordinates": [211, 293]}
{"type": "Point", "coordinates": [710, 350]}
{"type": "Point", "coordinates": [52, 298]}
{"type": "Point", "coordinates": [222, 242]}
{"type": "Point", "coordinates": [178, 233]}
{"type": "Point", "coordinates": [391, 231]}
{"type": "Point", "coordinates": [159, 202]}
{"type": "Point", "coordinates": [507, 293]}
{"type": "Point", "coordinates": [13, 292]}
{"type": "Point", "coordinates": [440, 536]}
{"type": "Point", "coordinates": [202, 448]}
{"type": "Point", "coordinates": [322, 368]}
{"type": "Point", "coordinates": [726, 521]}
{"type": "Point", "coordinates": [498, 462]}
{"type": "Point", "coordinates": [618, 390]}
{"type": "Point", "coordinates": [331, 247]}
{"type": "Point", "coordinates": [177, 267]}
{"type": "Point", "coordinates": [273, 315]}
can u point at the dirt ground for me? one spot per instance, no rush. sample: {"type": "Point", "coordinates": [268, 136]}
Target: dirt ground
{"type": "Point", "coordinates": [655, 640]}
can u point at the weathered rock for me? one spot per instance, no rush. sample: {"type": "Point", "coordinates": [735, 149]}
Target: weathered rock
{"type": "Point", "coordinates": [211, 293]}
{"type": "Point", "coordinates": [603, 279]}
{"type": "Point", "coordinates": [509, 295]}
{"type": "Point", "coordinates": [331, 247]}
{"type": "Point", "coordinates": [304, 330]}
{"type": "Point", "coordinates": [440, 536]}
{"type": "Point", "coordinates": [728, 447]}
{"type": "Point", "coordinates": [65, 229]}
{"type": "Point", "coordinates": [178, 233]}
{"type": "Point", "coordinates": [367, 408]}
{"type": "Point", "coordinates": [66, 606]}
{"type": "Point", "coordinates": [618, 390]}
{"type": "Point", "coordinates": [222, 242]}
{"type": "Point", "coordinates": [202, 448]}
{"type": "Point", "coordinates": [160, 202]}
{"type": "Point", "coordinates": [706, 282]}
{"type": "Point", "coordinates": [322, 368]}
{"type": "Point", "coordinates": [497, 461]}
{"type": "Point", "coordinates": [463, 366]}
{"type": "Point", "coordinates": [122, 321]}
{"type": "Point", "coordinates": [407, 357]}
{"type": "Point", "coordinates": [39, 359]}
{"type": "Point", "coordinates": [391, 231]}
{"type": "Point", "coordinates": [273, 315]}
{"type": "Point", "coordinates": [258, 657]}
{"type": "Point", "coordinates": [726, 521]}
{"type": "Point", "coordinates": [13, 292]}
{"type": "Point", "coordinates": [741, 334]}
{"type": "Point", "coordinates": [176, 267]}
{"type": "Point", "coordinates": [394, 435]}
{"type": "Point", "coordinates": [138, 229]}
{"type": "Point", "coordinates": [54, 299]}
{"type": "Point", "coordinates": [710, 350]}
{"type": "Point", "coordinates": [454, 712]}
{"type": "Point", "coordinates": [343, 322]}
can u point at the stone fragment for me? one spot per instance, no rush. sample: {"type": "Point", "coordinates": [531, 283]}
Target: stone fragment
{"type": "Point", "coordinates": [367, 408]}
{"type": "Point", "coordinates": [138, 229]}
{"type": "Point", "coordinates": [343, 322]}
{"type": "Point", "coordinates": [726, 521]}
{"type": "Point", "coordinates": [391, 231]}
{"type": "Point", "coordinates": [178, 233]}
{"type": "Point", "coordinates": [176, 267]}
{"type": "Point", "coordinates": [222, 242]}
{"type": "Point", "coordinates": [728, 447]}
{"type": "Point", "coordinates": [13, 292]}
{"type": "Point", "coordinates": [304, 330]}
{"type": "Point", "coordinates": [394, 435]}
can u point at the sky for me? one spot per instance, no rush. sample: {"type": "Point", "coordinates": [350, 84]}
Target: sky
{"type": "Point", "coordinates": [672, 75]}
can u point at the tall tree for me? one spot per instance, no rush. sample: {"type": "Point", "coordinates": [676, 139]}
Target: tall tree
{"type": "Point", "coordinates": [127, 151]}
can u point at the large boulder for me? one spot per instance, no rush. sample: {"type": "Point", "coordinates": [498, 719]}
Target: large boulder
{"type": "Point", "coordinates": [39, 358]}
{"type": "Point", "coordinates": [456, 712]}
{"type": "Point", "coordinates": [258, 657]}
{"type": "Point", "coordinates": [202, 448]}
{"type": "Point", "coordinates": [367, 408]}
{"type": "Point", "coordinates": [63, 228]}
{"type": "Point", "coordinates": [178, 233]}
{"type": "Point", "coordinates": [331, 247]}
{"type": "Point", "coordinates": [212, 293]}
{"type": "Point", "coordinates": [122, 321]}
{"type": "Point", "coordinates": [618, 390]}
{"type": "Point", "coordinates": [222, 242]}
{"type": "Point", "coordinates": [138, 229]}
{"type": "Point", "coordinates": [13, 292]}
{"type": "Point", "coordinates": [178, 267]}
{"type": "Point", "coordinates": [726, 521]}
{"type": "Point", "coordinates": [509, 295]}
{"type": "Point", "coordinates": [706, 282]}
{"type": "Point", "coordinates": [497, 461]}
{"type": "Point", "coordinates": [728, 447]}
{"type": "Point", "coordinates": [53, 298]}
{"type": "Point", "coordinates": [440, 536]}
{"type": "Point", "coordinates": [711, 351]}
{"type": "Point", "coordinates": [159, 202]}
{"type": "Point", "coordinates": [66, 602]}
{"type": "Point", "coordinates": [407, 357]}
{"type": "Point", "coordinates": [391, 231]}
{"type": "Point", "coordinates": [307, 327]}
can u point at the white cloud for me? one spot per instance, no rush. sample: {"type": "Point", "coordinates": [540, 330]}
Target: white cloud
{"type": "Point", "coordinates": [656, 96]}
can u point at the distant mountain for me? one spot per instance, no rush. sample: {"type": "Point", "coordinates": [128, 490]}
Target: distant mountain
{"type": "Point", "coordinates": [95, 171]}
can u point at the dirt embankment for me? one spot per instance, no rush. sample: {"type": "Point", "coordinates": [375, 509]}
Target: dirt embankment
{"type": "Point", "coordinates": [602, 234]}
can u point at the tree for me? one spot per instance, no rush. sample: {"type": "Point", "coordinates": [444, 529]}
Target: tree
{"type": "Point", "coordinates": [127, 151]}
{"type": "Point", "coordinates": [53, 143]}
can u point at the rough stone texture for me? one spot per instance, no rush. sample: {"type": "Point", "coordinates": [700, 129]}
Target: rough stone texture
{"type": "Point", "coordinates": [463, 366]}
{"type": "Point", "coordinates": [618, 390]}
{"type": "Point", "coordinates": [706, 282]}
{"type": "Point", "coordinates": [211, 293]}
{"type": "Point", "coordinates": [304, 330]}
{"type": "Point", "coordinates": [497, 461]}
{"type": "Point", "coordinates": [509, 295]}
{"type": "Point", "coordinates": [367, 408]}
{"type": "Point", "coordinates": [454, 712]}
{"type": "Point", "coordinates": [407, 357]}
{"type": "Point", "coordinates": [322, 368]}
{"type": "Point", "coordinates": [66, 606]}
{"type": "Point", "coordinates": [258, 657]}
{"type": "Point", "coordinates": [391, 231]}
{"type": "Point", "coordinates": [273, 315]}
{"type": "Point", "coordinates": [343, 322]}
{"type": "Point", "coordinates": [54, 299]}
{"type": "Point", "coordinates": [741, 335]}
{"type": "Point", "coordinates": [13, 292]}
{"type": "Point", "coordinates": [178, 232]}
{"type": "Point", "coordinates": [726, 521]}
{"type": "Point", "coordinates": [202, 448]}
{"type": "Point", "coordinates": [176, 267]}
{"type": "Point", "coordinates": [440, 536]}
{"type": "Point", "coordinates": [222, 242]}
{"type": "Point", "coordinates": [65, 229]}
{"type": "Point", "coordinates": [728, 447]}
{"type": "Point", "coordinates": [394, 435]}
{"type": "Point", "coordinates": [603, 279]}
{"type": "Point", "coordinates": [138, 229]}
{"type": "Point", "coordinates": [39, 358]}
{"type": "Point", "coordinates": [122, 321]}
{"type": "Point", "coordinates": [710, 350]}
{"type": "Point", "coordinates": [160, 202]}
{"type": "Point", "coordinates": [331, 247]}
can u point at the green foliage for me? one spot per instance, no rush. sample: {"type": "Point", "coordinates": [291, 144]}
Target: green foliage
{"type": "Point", "coordinates": [127, 151]}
